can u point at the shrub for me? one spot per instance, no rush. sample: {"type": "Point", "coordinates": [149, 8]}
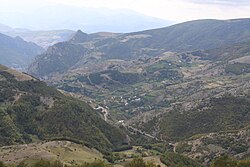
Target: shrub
{"type": "Point", "coordinates": [2, 164]}
{"type": "Point", "coordinates": [224, 161]}
{"type": "Point", "coordinates": [138, 162]}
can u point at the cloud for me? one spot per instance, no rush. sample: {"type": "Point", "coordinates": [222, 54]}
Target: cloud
{"type": "Point", "coordinates": [174, 10]}
{"type": "Point", "coordinates": [222, 2]}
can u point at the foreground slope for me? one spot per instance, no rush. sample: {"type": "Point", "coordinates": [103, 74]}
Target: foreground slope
{"type": "Point", "coordinates": [31, 111]}
{"type": "Point", "coordinates": [66, 152]}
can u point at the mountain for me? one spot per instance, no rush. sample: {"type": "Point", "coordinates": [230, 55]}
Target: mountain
{"type": "Point", "coordinates": [200, 34]}
{"type": "Point", "coordinates": [188, 36]}
{"type": "Point", "coordinates": [41, 38]}
{"type": "Point", "coordinates": [86, 18]}
{"type": "Point", "coordinates": [17, 53]}
{"type": "Point", "coordinates": [183, 89]}
{"type": "Point", "coordinates": [4, 28]}
{"type": "Point", "coordinates": [186, 85]}
{"type": "Point", "coordinates": [32, 111]}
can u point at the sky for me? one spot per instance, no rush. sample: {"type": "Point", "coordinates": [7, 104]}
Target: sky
{"type": "Point", "coordinates": [172, 10]}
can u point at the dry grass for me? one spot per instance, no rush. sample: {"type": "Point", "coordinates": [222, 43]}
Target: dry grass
{"type": "Point", "coordinates": [18, 75]}
{"type": "Point", "coordinates": [65, 151]}
{"type": "Point", "coordinates": [155, 159]}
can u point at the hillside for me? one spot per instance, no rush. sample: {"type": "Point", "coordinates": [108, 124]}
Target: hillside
{"type": "Point", "coordinates": [188, 36]}
{"type": "Point", "coordinates": [206, 147]}
{"type": "Point", "coordinates": [156, 82]}
{"type": "Point", "coordinates": [68, 152]}
{"type": "Point", "coordinates": [185, 86]}
{"type": "Point", "coordinates": [32, 111]}
{"type": "Point", "coordinates": [227, 113]}
{"type": "Point", "coordinates": [173, 96]}
{"type": "Point", "coordinates": [200, 34]}
{"type": "Point", "coordinates": [17, 53]}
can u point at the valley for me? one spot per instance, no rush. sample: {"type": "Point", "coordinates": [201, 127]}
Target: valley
{"type": "Point", "coordinates": [178, 95]}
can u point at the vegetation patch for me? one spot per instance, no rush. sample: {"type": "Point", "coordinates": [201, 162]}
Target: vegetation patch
{"type": "Point", "coordinates": [176, 160]}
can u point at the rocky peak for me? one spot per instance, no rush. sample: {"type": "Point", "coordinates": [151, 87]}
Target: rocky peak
{"type": "Point", "coordinates": [79, 37]}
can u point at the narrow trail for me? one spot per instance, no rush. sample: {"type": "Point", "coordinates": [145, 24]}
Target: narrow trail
{"type": "Point", "coordinates": [103, 111]}
{"type": "Point", "coordinates": [141, 132]}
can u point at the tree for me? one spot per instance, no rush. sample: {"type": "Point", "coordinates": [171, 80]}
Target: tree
{"type": "Point", "coordinates": [138, 162]}
{"type": "Point", "coordinates": [224, 161]}
{"type": "Point", "coordinates": [22, 164]}
{"type": "Point", "coordinates": [1, 164]}
{"type": "Point", "coordinates": [97, 163]}
{"type": "Point", "coordinates": [244, 163]}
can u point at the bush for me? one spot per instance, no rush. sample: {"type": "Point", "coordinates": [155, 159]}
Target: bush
{"type": "Point", "coordinates": [177, 160]}
{"type": "Point", "coordinates": [122, 148]}
{"type": "Point", "coordinates": [244, 163]}
{"type": "Point", "coordinates": [45, 163]}
{"type": "Point", "coordinates": [1, 164]}
{"type": "Point", "coordinates": [22, 164]}
{"type": "Point", "coordinates": [183, 147]}
{"type": "Point", "coordinates": [96, 164]}
{"type": "Point", "coordinates": [226, 161]}
{"type": "Point", "coordinates": [138, 162]}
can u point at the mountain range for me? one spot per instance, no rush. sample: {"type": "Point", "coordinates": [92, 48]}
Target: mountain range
{"type": "Point", "coordinates": [17, 53]}
{"type": "Point", "coordinates": [184, 88]}
{"type": "Point", "coordinates": [194, 35]}
{"type": "Point", "coordinates": [41, 38]}
{"type": "Point", "coordinates": [175, 84]}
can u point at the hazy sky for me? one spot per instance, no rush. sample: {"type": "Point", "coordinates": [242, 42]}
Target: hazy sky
{"type": "Point", "coordinates": [174, 10]}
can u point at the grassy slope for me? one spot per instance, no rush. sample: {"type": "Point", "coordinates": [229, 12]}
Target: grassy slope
{"type": "Point", "coordinates": [66, 152]}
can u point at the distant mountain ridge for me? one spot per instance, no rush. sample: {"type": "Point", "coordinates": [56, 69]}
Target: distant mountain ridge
{"type": "Point", "coordinates": [4, 28]}
{"type": "Point", "coordinates": [41, 38]}
{"type": "Point", "coordinates": [201, 34]}
{"type": "Point", "coordinates": [89, 19]}
{"type": "Point", "coordinates": [17, 53]}
{"type": "Point", "coordinates": [188, 36]}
